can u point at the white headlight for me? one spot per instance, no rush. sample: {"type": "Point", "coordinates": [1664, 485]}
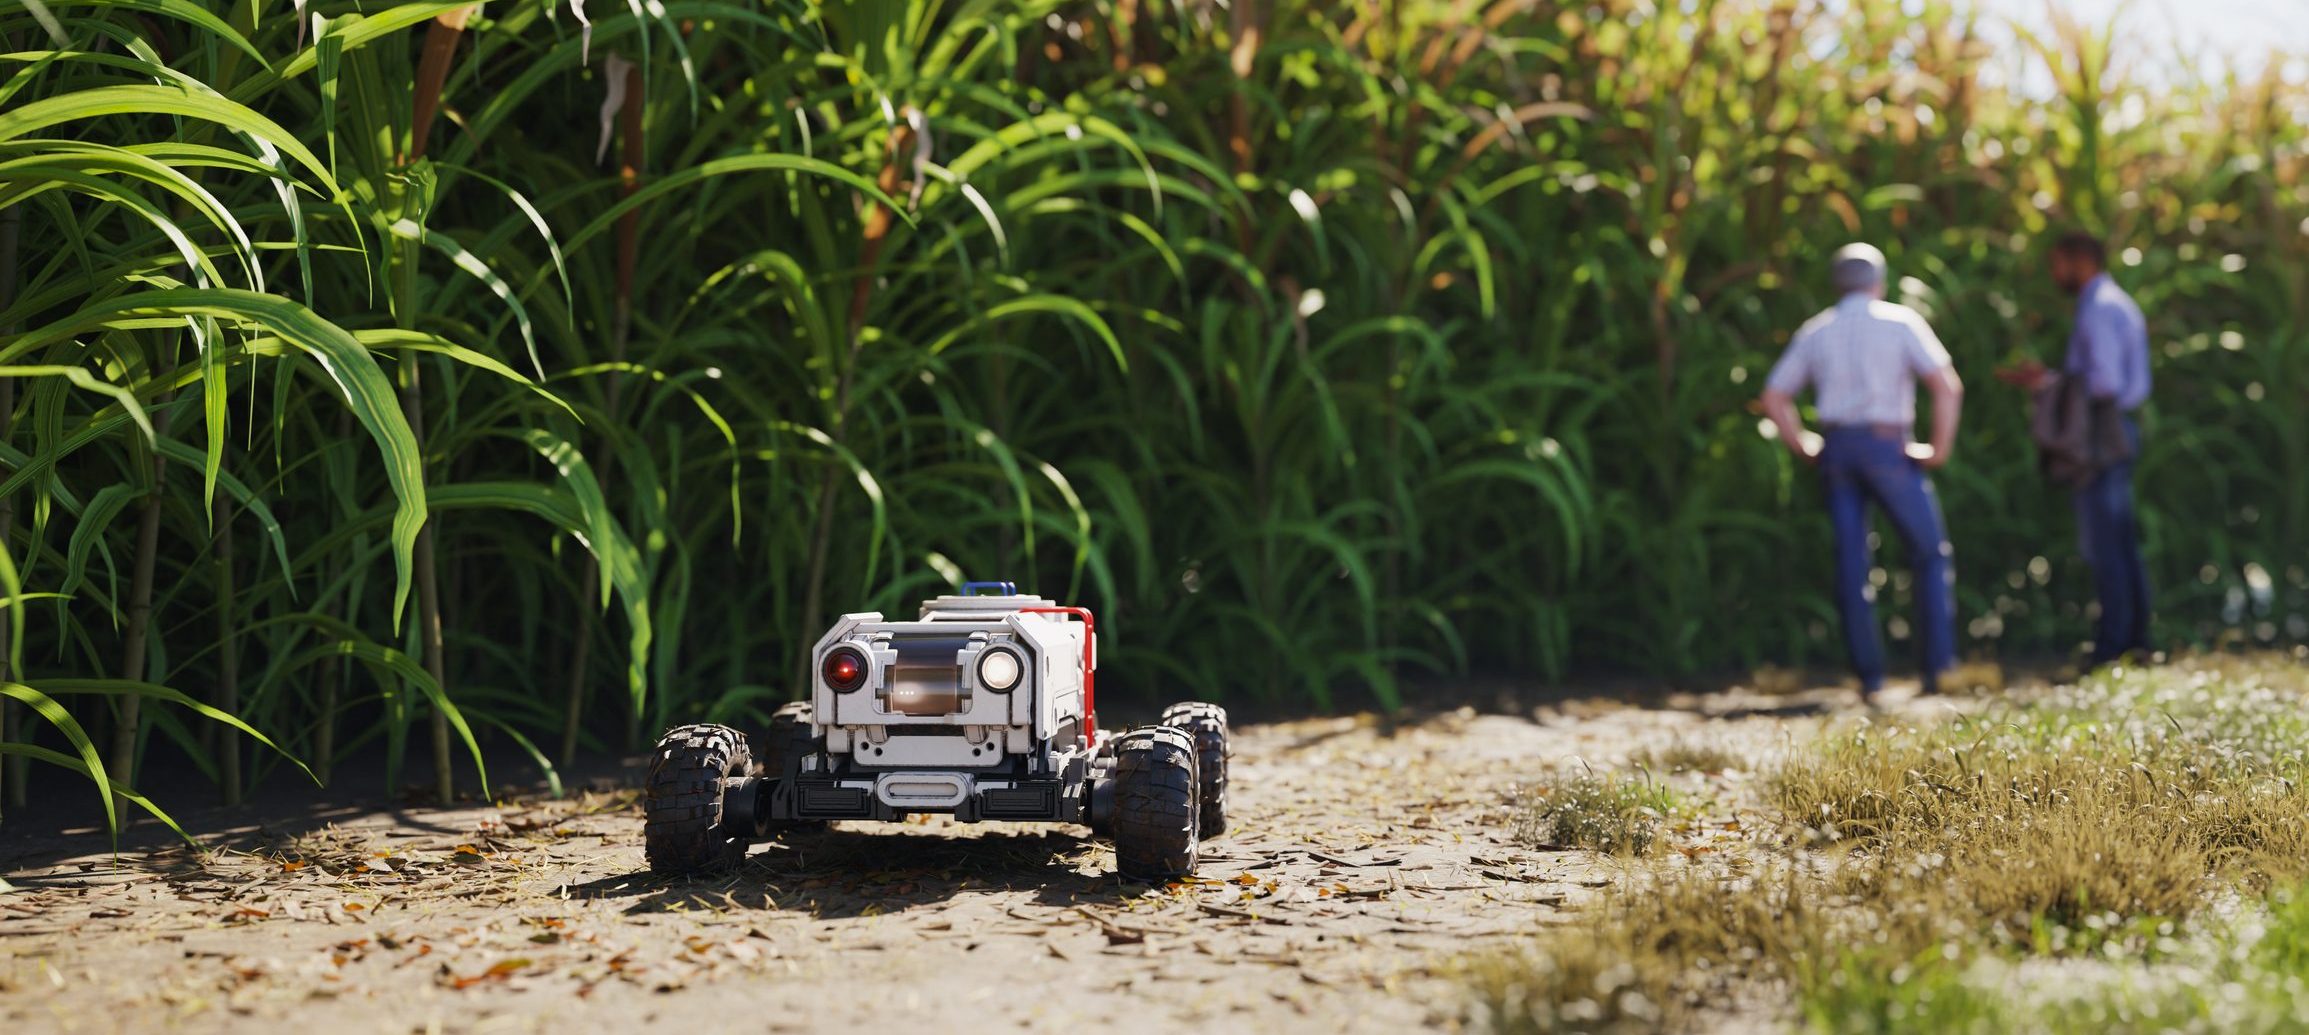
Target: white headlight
{"type": "Point", "coordinates": [998, 670]}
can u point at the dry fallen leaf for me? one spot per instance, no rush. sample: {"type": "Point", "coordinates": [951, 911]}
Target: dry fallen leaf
{"type": "Point", "coordinates": [499, 971]}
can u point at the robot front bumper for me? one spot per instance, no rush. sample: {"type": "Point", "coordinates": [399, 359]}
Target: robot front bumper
{"type": "Point", "coordinates": [754, 802]}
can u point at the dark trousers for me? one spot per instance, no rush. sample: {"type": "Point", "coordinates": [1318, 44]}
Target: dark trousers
{"type": "Point", "coordinates": [2109, 536]}
{"type": "Point", "coordinates": [1862, 466]}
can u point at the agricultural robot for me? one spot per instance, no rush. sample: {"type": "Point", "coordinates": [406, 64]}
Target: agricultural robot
{"type": "Point", "coordinates": [982, 708]}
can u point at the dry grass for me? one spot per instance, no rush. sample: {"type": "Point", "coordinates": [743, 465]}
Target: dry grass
{"type": "Point", "coordinates": [1780, 680]}
{"type": "Point", "coordinates": [1975, 677]}
{"type": "Point", "coordinates": [2122, 799]}
{"type": "Point", "coordinates": [2009, 839]}
{"type": "Point", "coordinates": [1689, 756]}
{"type": "Point", "coordinates": [2089, 824]}
{"type": "Point", "coordinates": [1676, 937]}
{"type": "Point", "coordinates": [1610, 815]}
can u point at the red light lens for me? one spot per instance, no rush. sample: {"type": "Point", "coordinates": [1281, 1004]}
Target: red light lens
{"type": "Point", "coordinates": [845, 670]}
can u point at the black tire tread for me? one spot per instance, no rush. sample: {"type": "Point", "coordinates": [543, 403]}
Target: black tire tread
{"type": "Point", "coordinates": [787, 740]}
{"type": "Point", "coordinates": [682, 800]}
{"type": "Point", "coordinates": [1157, 818]}
{"type": "Point", "coordinates": [1207, 724]}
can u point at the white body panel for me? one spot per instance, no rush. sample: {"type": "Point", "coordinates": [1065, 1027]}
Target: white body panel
{"type": "Point", "coordinates": [922, 703]}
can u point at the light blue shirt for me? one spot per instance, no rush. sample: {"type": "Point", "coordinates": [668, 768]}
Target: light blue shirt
{"type": "Point", "coordinates": [1861, 359]}
{"type": "Point", "coordinates": [2110, 347]}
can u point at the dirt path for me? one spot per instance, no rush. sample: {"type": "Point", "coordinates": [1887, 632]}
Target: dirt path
{"type": "Point", "coordinates": [1361, 865]}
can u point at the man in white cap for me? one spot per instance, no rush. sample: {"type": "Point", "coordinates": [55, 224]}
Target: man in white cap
{"type": "Point", "coordinates": [1863, 360]}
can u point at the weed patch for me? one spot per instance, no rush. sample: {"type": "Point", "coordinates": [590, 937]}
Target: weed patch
{"type": "Point", "coordinates": [2118, 843]}
{"type": "Point", "coordinates": [1613, 816]}
{"type": "Point", "coordinates": [1675, 937]}
{"type": "Point", "coordinates": [1689, 756]}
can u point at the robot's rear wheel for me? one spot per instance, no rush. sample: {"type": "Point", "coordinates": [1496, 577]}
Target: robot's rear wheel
{"type": "Point", "coordinates": [682, 828]}
{"type": "Point", "coordinates": [783, 747]}
{"type": "Point", "coordinates": [1157, 815]}
{"type": "Point", "coordinates": [788, 739]}
{"type": "Point", "coordinates": [1207, 724]}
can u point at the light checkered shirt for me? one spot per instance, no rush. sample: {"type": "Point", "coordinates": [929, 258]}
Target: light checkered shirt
{"type": "Point", "coordinates": [1861, 359]}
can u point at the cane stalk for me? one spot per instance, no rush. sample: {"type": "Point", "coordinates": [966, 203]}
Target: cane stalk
{"type": "Point", "coordinates": [633, 152]}
{"type": "Point", "coordinates": [135, 650]}
{"type": "Point", "coordinates": [228, 690]}
{"type": "Point", "coordinates": [12, 772]}
{"type": "Point", "coordinates": [441, 38]}
{"type": "Point", "coordinates": [874, 234]}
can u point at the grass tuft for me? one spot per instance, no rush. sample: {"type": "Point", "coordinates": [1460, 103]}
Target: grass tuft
{"type": "Point", "coordinates": [1673, 936]}
{"type": "Point", "coordinates": [1689, 756]}
{"type": "Point", "coordinates": [1615, 816]}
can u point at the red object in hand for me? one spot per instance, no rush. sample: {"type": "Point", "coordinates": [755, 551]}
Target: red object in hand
{"type": "Point", "coordinates": [845, 669]}
{"type": "Point", "coordinates": [2028, 375]}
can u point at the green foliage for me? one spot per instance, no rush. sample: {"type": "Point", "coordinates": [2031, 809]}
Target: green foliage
{"type": "Point", "coordinates": [2241, 974]}
{"type": "Point", "coordinates": [1317, 346]}
{"type": "Point", "coordinates": [1862, 994]}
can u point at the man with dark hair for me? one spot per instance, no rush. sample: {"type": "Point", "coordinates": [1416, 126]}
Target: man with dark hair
{"type": "Point", "coordinates": [1863, 361]}
{"type": "Point", "coordinates": [2077, 244]}
{"type": "Point", "coordinates": [2109, 352]}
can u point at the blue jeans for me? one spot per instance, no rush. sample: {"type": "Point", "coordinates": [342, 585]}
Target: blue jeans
{"type": "Point", "coordinates": [2109, 536]}
{"type": "Point", "coordinates": [1860, 466]}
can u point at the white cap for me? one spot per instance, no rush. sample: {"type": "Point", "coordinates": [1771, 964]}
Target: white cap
{"type": "Point", "coordinates": [1856, 267]}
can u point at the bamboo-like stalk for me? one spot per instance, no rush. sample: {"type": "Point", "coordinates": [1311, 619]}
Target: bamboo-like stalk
{"type": "Point", "coordinates": [325, 725]}
{"type": "Point", "coordinates": [573, 703]}
{"type": "Point", "coordinates": [1122, 34]}
{"type": "Point", "coordinates": [432, 71]}
{"type": "Point", "coordinates": [580, 651]}
{"type": "Point", "coordinates": [633, 152]}
{"type": "Point", "coordinates": [429, 618]}
{"type": "Point", "coordinates": [441, 37]}
{"type": "Point", "coordinates": [332, 671]}
{"type": "Point", "coordinates": [1244, 30]}
{"type": "Point", "coordinates": [12, 771]}
{"type": "Point", "coordinates": [134, 652]}
{"type": "Point", "coordinates": [893, 182]}
{"type": "Point", "coordinates": [1243, 60]}
{"type": "Point", "coordinates": [228, 690]}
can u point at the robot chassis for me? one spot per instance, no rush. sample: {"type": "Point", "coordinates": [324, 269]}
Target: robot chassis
{"type": "Point", "coordinates": [983, 708]}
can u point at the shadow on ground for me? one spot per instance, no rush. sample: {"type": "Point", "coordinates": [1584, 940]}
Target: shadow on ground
{"type": "Point", "coordinates": [848, 873]}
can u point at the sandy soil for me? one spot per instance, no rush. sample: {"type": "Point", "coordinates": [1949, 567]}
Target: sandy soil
{"type": "Point", "coordinates": [1363, 862]}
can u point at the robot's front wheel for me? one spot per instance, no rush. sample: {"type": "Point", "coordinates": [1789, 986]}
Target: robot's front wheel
{"type": "Point", "coordinates": [1157, 811]}
{"type": "Point", "coordinates": [682, 827]}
